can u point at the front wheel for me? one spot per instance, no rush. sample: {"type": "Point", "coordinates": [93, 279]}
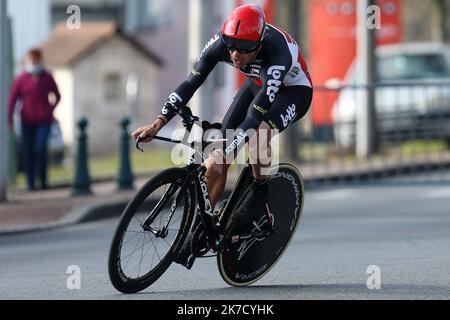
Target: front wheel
{"type": "Point", "coordinates": [247, 261]}
{"type": "Point", "coordinates": [150, 230]}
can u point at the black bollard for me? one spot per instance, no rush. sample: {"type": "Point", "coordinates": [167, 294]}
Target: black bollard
{"type": "Point", "coordinates": [125, 178]}
{"type": "Point", "coordinates": [82, 183]}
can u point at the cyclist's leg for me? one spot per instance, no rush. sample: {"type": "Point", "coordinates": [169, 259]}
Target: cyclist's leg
{"type": "Point", "coordinates": [261, 151]}
{"type": "Point", "coordinates": [235, 115]}
{"type": "Point", "coordinates": [216, 183]}
{"type": "Point", "coordinates": [291, 105]}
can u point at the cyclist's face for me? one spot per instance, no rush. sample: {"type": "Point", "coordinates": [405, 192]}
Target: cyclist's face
{"type": "Point", "coordinates": [240, 60]}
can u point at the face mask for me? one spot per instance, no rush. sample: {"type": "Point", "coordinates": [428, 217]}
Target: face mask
{"type": "Point", "coordinates": [33, 68]}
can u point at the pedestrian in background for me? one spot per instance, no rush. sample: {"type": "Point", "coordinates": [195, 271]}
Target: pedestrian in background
{"type": "Point", "coordinates": [39, 94]}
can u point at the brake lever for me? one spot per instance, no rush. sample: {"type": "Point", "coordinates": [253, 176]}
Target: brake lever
{"type": "Point", "coordinates": [138, 142]}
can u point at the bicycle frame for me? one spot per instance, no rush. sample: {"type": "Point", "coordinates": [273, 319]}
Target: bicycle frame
{"type": "Point", "coordinates": [214, 226]}
{"type": "Point", "coordinates": [195, 174]}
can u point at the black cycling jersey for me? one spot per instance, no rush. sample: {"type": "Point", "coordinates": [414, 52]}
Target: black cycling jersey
{"type": "Point", "coordinates": [278, 64]}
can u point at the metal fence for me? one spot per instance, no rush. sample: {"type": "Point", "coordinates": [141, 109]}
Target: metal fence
{"type": "Point", "coordinates": [411, 134]}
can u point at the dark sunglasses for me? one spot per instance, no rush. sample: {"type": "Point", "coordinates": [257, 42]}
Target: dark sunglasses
{"type": "Point", "coordinates": [233, 48]}
{"type": "Point", "coordinates": [241, 46]}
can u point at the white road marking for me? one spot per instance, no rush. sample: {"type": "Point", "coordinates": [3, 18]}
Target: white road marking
{"type": "Point", "coordinates": [437, 193]}
{"type": "Point", "coordinates": [333, 195]}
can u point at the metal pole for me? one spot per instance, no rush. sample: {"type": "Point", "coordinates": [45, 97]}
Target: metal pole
{"type": "Point", "coordinates": [293, 135]}
{"type": "Point", "coordinates": [133, 94]}
{"type": "Point", "coordinates": [200, 31]}
{"type": "Point", "coordinates": [3, 102]}
{"type": "Point", "coordinates": [440, 26]}
{"type": "Point", "coordinates": [206, 104]}
{"type": "Point", "coordinates": [194, 49]}
{"type": "Point", "coordinates": [365, 138]}
{"type": "Point", "coordinates": [12, 159]}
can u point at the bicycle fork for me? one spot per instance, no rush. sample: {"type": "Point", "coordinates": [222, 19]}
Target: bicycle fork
{"type": "Point", "coordinates": [164, 231]}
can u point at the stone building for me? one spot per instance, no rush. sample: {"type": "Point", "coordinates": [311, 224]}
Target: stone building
{"type": "Point", "coordinates": [93, 67]}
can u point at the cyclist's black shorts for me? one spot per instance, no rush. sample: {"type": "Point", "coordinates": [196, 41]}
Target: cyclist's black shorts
{"type": "Point", "coordinates": [291, 105]}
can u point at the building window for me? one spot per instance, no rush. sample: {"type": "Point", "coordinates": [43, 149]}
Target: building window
{"type": "Point", "coordinates": [147, 14]}
{"type": "Point", "coordinates": [111, 87]}
{"type": "Point", "coordinates": [158, 12]}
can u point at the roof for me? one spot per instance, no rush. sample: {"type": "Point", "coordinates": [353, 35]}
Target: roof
{"type": "Point", "coordinates": [66, 47]}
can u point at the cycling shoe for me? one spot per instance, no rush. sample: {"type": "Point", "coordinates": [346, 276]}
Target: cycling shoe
{"type": "Point", "coordinates": [252, 206]}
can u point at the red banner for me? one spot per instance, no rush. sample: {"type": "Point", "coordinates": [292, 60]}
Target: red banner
{"type": "Point", "coordinates": [333, 43]}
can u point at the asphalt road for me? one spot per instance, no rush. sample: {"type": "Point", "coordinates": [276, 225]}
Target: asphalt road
{"type": "Point", "coordinates": [402, 233]}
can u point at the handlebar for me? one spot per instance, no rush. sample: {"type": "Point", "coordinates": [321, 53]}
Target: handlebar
{"type": "Point", "coordinates": [188, 121]}
{"type": "Point", "coordinates": [139, 141]}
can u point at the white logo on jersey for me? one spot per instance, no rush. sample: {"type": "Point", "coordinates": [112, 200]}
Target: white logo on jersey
{"type": "Point", "coordinates": [255, 71]}
{"type": "Point", "coordinates": [275, 83]}
{"type": "Point", "coordinates": [209, 44]}
{"type": "Point", "coordinates": [290, 115]}
{"type": "Point", "coordinates": [235, 144]}
{"type": "Point", "coordinates": [294, 72]}
{"type": "Point", "coordinates": [174, 98]}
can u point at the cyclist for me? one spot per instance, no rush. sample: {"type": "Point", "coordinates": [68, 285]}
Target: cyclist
{"type": "Point", "coordinates": [278, 92]}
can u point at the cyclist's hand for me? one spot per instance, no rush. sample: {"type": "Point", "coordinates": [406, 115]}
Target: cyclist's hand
{"type": "Point", "coordinates": [147, 133]}
{"type": "Point", "coordinates": [214, 166]}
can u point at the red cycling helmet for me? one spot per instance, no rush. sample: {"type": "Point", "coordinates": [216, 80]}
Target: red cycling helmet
{"type": "Point", "coordinates": [244, 29]}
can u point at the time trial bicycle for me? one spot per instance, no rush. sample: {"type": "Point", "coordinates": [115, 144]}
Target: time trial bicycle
{"type": "Point", "coordinates": [156, 222]}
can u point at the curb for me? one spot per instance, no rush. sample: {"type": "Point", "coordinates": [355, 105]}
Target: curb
{"type": "Point", "coordinates": [101, 211]}
{"type": "Point", "coordinates": [76, 216]}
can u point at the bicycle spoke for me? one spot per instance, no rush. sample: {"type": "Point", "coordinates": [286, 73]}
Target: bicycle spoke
{"type": "Point", "coordinates": [153, 257]}
{"type": "Point", "coordinates": [178, 219]}
{"type": "Point", "coordinates": [154, 244]}
{"type": "Point", "coordinates": [137, 233]}
{"type": "Point", "coordinates": [136, 248]}
{"type": "Point", "coordinates": [167, 242]}
{"type": "Point", "coordinates": [142, 251]}
{"type": "Point", "coordinates": [140, 222]}
{"type": "Point", "coordinates": [156, 250]}
{"type": "Point", "coordinates": [129, 255]}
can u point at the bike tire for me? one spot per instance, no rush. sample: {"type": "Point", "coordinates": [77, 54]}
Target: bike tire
{"type": "Point", "coordinates": [242, 264]}
{"type": "Point", "coordinates": [146, 199]}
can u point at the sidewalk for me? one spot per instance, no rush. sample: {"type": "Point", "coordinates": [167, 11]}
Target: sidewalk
{"type": "Point", "coordinates": [41, 210]}
{"type": "Point", "coordinates": [31, 211]}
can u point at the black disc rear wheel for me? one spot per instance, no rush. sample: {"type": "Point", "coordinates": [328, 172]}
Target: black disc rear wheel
{"type": "Point", "coordinates": [247, 261]}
